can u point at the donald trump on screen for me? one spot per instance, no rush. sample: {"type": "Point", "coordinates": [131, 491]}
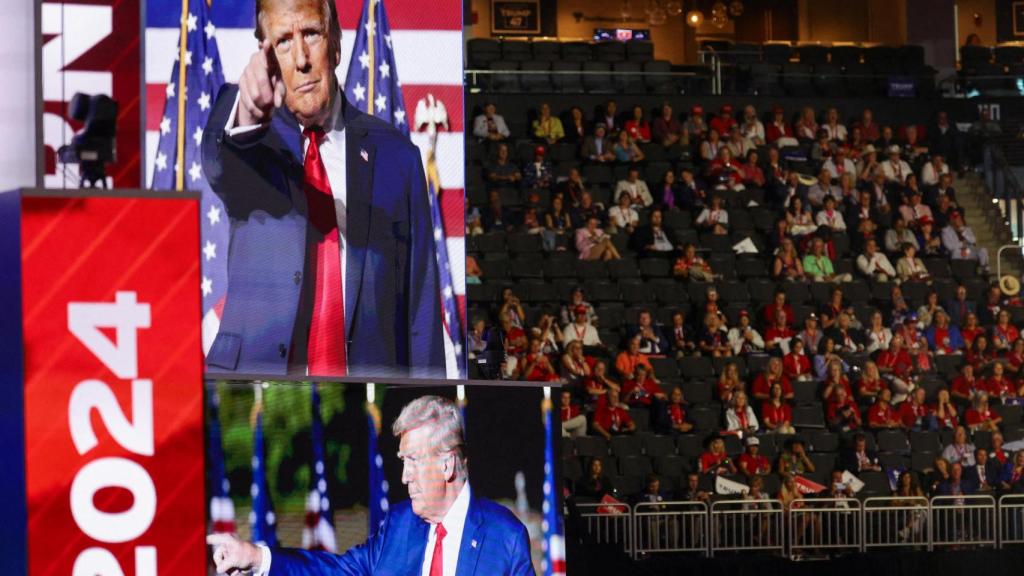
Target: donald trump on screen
{"type": "Point", "coordinates": [332, 269]}
{"type": "Point", "coordinates": [442, 530]}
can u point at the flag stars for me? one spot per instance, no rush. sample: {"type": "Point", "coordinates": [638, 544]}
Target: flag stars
{"type": "Point", "coordinates": [381, 102]}
{"type": "Point", "coordinates": [387, 40]}
{"type": "Point", "coordinates": [170, 90]}
{"type": "Point", "coordinates": [207, 287]}
{"type": "Point", "coordinates": [364, 59]}
{"type": "Point", "coordinates": [204, 101]}
{"type": "Point", "coordinates": [399, 116]}
{"type": "Point", "coordinates": [385, 69]}
{"type": "Point", "coordinates": [198, 135]}
{"type": "Point", "coordinates": [213, 214]}
{"type": "Point", "coordinates": [210, 29]}
{"type": "Point", "coordinates": [371, 28]}
{"type": "Point", "coordinates": [207, 65]}
{"type": "Point", "coordinates": [359, 92]}
{"type": "Point", "coordinates": [188, 58]}
{"type": "Point", "coordinates": [195, 171]}
{"type": "Point", "coordinates": [161, 161]}
{"type": "Point", "coordinates": [192, 21]}
{"type": "Point", "coordinates": [165, 125]}
{"type": "Point", "coordinates": [210, 250]}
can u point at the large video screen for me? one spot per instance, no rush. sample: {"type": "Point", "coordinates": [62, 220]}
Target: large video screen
{"type": "Point", "coordinates": [315, 471]}
{"type": "Point", "coordinates": [326, 138]}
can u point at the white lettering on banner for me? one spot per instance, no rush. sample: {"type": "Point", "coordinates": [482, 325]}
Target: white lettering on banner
{"type": "Point", "coordinates": [121, 356]}
{"type": "Point", "coordinates": [94, 561]}
{"type": "Point", "coordinates": [76, 29]}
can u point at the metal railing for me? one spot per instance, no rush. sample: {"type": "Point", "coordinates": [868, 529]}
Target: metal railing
{"type": "Point", "coordinates": [609, 524]}
{"type": "Point", "coordinates": [670, 527]}
{"type": "Point", "coordinates": [894, 523]}
{"type": "Point", "coordinates": [816, 525]}
{"type": "Point", "coordinates": [963, 521]}
{"type": "Point", "coordinates": [1011, 520]}
{"type": "Point", "coordinates": [747, 526]}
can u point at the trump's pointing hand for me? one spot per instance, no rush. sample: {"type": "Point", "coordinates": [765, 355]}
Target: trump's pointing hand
{"type": "Point", "coordinates": [260, 89]}
{"type": "Point", "coordinates": [233, 556]}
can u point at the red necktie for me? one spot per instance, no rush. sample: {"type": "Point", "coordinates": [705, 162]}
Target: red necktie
{"type": "Point", "coordinates": [437, 562]}
{"type": "Point", "coordinates": [327, 329]}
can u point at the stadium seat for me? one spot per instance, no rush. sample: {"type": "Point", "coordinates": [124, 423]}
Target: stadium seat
{"type": "Point", "coordinates": [696, 367]}
{"type": "Point", "coordinates": [571, 468]}
{"type": "Point", "coordinates": [591, 270]}
{"type": "Point", "coordinates": [925, 441]}
{"type": "Point", "coordinates": [546, 50]}
{"type": "Point", "coordinates": [565, 77]}
{"type": "Point", "coordinates": [893, 461]}
{"type": "Point", "coordinates": [609, 51]}
{"type": "Point", "coordinates": [657, 446]}
{"type": "Point", "coordinates": [627, 485]}
{"type": "Point", "coordinates": [805, 391]}
{"type": "Point", "coordinates": [796, 79]}
{"type": "Point", "coordinates": [1011, 414]}
{"type": "Point", "coordinates": [921, 461]}
{"type": "Point", "coordinates": [824, 462]}
{"type": "Point", "coordinates": [1008, 54]}
{"type": "Point", "coordinates": [536, 78]}
{"type": "Point", "coordinates": [697, 392]}
{"type": "Point", "coordinates": [656, 77]}
{"type": "Point", "coordinates": [705, 420]}
{"type": "Point", "coordinates": [875, 484]}
{"type": "Point", "coordinates": [593, 446]}
{"type": "Point", "coordinates": [639, 50]}
{"type": "Point", "coordinates": [504, 78]}
{"type": "Point", "coordinates": [666, 368]}
{"type": "Point", "coordinates": [597, 78]}
{"type": "Point", "coordinates": [635, 465]}
{"type": "Point", "coordinates": [776, 53]}
{"type": "Point", "coordinates": [733, 445]}
{"type": "Point", "coordinates": [623, 268]}
{"type": "Point", "coordinates": [671, 466]}
{"type": "Point", "coordinates": [480, 52]}
{"type": "Point", "coordinates": [641, 417]}
{"type": "Point", "coordinates": [892, 441]}
{"type": "Point", "coordinates": [623, 446]}
{"type": "Point", "coordinates": [845, 55]}
{"type": "Point", "coordinates": [689, 446]}
{"type": "Point", "coordinates": [519, 51]}
{"type": "Point", "coordinates": [975, 55]}
{"type": "Point", "coordinates": [808, 417]}
{"type": "Point", "coordinates": [822, 440]}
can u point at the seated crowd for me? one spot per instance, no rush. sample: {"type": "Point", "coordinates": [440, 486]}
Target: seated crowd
{"type": "Point", "coordinates": [863, 222]}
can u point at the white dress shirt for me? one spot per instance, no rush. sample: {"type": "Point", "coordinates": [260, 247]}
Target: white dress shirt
{"type": "Point", "coordinates": [454, 522]}
{"type": "Point", "coordinates": [332, 152]}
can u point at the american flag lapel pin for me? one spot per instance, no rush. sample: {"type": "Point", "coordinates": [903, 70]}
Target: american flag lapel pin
{"type": "Point", "coordinates": [473, 544]}
{"type": "Point", "coordinates": [364, 155]}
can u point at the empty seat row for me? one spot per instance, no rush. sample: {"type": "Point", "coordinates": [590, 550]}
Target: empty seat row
{"type": "Point", "coordinates": [481, 51]}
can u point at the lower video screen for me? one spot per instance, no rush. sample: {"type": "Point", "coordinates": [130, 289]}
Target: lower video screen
{"type": "Point", "coordinates": [369, 471]}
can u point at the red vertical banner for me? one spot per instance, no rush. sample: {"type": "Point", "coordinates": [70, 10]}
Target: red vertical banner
{"type": "Point", "coordinates": [113, 386]}
{"type": "Point", "coordinates": [92, 47]}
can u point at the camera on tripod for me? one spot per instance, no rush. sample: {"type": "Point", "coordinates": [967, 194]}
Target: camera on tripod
{"type": "Point", "coordinates": [95, 146]}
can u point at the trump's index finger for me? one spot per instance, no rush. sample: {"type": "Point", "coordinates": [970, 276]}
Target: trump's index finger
{"type": "Point", "coordinates": [219, 539]}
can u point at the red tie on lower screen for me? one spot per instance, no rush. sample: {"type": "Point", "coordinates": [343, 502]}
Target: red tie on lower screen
{"type": "Point", "coordinates": [327, 329]}
{"type": "Point", "coordinates": [437, 562]}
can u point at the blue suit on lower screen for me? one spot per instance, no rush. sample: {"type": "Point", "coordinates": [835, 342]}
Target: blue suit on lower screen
{"type": "Point", "coordinates": [494, 543]}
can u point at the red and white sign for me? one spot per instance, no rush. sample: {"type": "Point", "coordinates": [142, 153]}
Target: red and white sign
{"type": "Point", "coordinates": [113, 386]}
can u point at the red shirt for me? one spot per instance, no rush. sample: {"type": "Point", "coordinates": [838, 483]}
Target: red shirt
{"type": "Point", "coordinates": [638, 130]}
{"type": "Point", "coordinates": [969, 334]}
{"type": "Point", "coordinates": [763, 387]}
{"type": "Point", "coordinates": [899, 362]}
{"type": "Point", "coordinates": [844, 382]}
{"type": "Point", "coordinates": [794, 365]}
{"type": "Point", "coordinates": [879, 415]}
{"type": "Point", "coordinates": [910, 413]}
{"type": "Point", "coordinates": [722, 125]}
{"type": "Point", "coordinates": [835, 408]}
{"type": "Point", "coordinates": [776, 414]}
{"type": "Point", "coordinates": [961, 386]}
{"type": "Point", "coordinates": [539, 372]}
{"type": "Point", "coordinates": [1000, 455]}
{"type": "Point", "coordinates": [949, 422]}
{"type": "Point", "coordinates": [727, 396]}
{"type": "Point", "coordinates": [677, 413]}
{"type": "Point", "coordinates": [1008, 333]}
{"type": "Point", "coordinates": [1003, 386]}
{"type": "Point", "coordinates": [755, 464]}
{"type": "Point", "coordinates": [975, 416]}
{"type": "Point", "coordinates": [569, 412]}
{"type": "Point", "coordinates": [611, 419]}
{"type": "Point", "coordinates": [873, 386]}
{"type": "Point", "coordinates": [772, 310]}
{"type": "Point", "coordinates": [639, 392]}
{"type": "Point", "coordinates": [976, 359]}
{"type": "Point", "coordinates": [783, 334]}
{"type": "Point", "coordinates": [773, 131]}
{"type": "Point", "coordinates": [942, 340]}
{"type": "Point", "coordinates": [709, 461]}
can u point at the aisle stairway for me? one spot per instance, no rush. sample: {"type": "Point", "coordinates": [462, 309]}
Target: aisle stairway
{"type": "Point", "coordinates": [990, 227]}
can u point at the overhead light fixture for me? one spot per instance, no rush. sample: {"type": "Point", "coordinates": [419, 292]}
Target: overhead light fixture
{"type": "Point", "coordinates": [695, 18]}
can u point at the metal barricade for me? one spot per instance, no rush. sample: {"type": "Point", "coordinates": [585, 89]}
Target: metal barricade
{"type": "Point", "coordinates": [746, 526]}
{"type": "Point", "coordinates": [609, 524]}
{"type": "Point", "coordinates": [963, 521]}
{"type": "Point", "coordinates": [1011, 520]}
{"type": "Point", "coordinates": [891, 522]}
{"type": "Point", "coordinates": [670, 527]}
{"type": "Point", "coordinates": [824, 524]}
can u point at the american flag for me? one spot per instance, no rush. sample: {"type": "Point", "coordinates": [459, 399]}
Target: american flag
{"type": "Point", "coordinates": [554, 543]}
{"type": "Point", "coordinates": [261, 519]}
{"type": "Point", "coordinates": [372, 84]}
{"type": "Point", "coordinates": [318, 533]}
{"type": "Point", "coordinates": [177, 164]}
{"type": "Point", "coordinates": [426, 44]}
{"type": "Point", "coordinates": [222, 509]}
{"type": "Point", "coordinates": [378, 502]}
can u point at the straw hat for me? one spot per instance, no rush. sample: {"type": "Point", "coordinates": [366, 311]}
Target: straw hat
{"type": "Point", "coordinates": [1009, 285]}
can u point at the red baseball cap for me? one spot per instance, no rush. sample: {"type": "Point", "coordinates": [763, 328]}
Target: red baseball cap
{"type": "Point", "coordinates": [580, 309]}
{"type": "Point", "coordinates": [696, 110]}
{"type": "Point", "coordinates": [727, 109]}
{"type": "Point", "coordinates": [539, 150]}
{"type": "Point", "coordinates": [744, 313]}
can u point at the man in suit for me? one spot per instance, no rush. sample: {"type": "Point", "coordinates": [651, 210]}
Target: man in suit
{"type": "Point", "coordinates": [598, 148]}
{"type": "Point", "coordinates": [984, 475]}
{"type": "Point", "coordinates": [442, 530]}
{"type": "Point", "coordinates": [857, 458]}
{"type": "Point", "coordinates": [959, 307]}
{"type": "Point", "coordinates": [332, 268]}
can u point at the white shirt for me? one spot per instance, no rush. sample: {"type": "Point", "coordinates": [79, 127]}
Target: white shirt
{"type": "Point", "coordinates": [332, 152]}
{"type": "Point", "coordinates": [454, 522]}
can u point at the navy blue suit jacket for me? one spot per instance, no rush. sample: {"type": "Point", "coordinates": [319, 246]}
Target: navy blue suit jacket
{"type": "Point", "coordinates": [494, 543]}
{"type": "Point", "coordinates": [392, 301]}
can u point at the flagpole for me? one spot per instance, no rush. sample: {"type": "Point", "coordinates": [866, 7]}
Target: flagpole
{"type": "Point", "coordinates": [179, 161]}
{"type": "Point", "coordinates": [370, 41]}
